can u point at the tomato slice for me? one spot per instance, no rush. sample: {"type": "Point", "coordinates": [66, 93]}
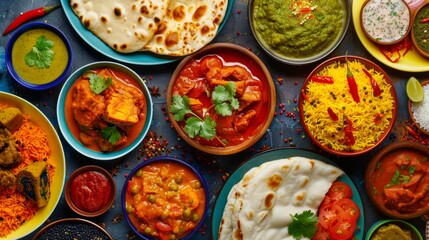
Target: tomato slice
{"type": "Point", "coordinates": [321, 234]}
{"type": "Point", "coordinates": [349, 207]}
{"type": "Point", "coordinates": [342, 227]}
{"type": "Point", "coordinates": [339, 190]}
{"type": "Point", "coordinates": [327, 213]}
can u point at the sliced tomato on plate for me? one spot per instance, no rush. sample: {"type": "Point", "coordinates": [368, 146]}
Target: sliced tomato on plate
{"type": "Point", "coordinates": [349, 206]}
{"type": "Point", "coordinates": [342, 227]}
{"type": "Point", "coordinates": [339, 190]}
{"type": "Point", "coordinates": [321, 234]}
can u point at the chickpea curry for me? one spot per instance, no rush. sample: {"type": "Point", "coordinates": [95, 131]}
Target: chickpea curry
{"type": "Point", "coordinates": [165, 200]}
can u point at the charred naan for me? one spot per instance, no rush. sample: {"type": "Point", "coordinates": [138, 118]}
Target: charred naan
{"type": "Point", "coordinates": [260, 205]}
{"type": "Point", "coordinates": [188, 26]}
{"type": "Point", "coordinates": [126, 25]}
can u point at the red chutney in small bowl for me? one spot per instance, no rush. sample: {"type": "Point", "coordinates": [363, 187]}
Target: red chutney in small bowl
{"type": "Point", "coordinates": [90, 191]}
{"type": "Point", "coordinates": [397, 180]}
{"type": "Point", "coordinates": [206, 79]}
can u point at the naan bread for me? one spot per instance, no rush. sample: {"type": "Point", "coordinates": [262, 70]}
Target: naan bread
{"type": "Point", "coordinates": [188, 26]}
{"type": "Point", "coordinates": [126, 25]}
{"type": "Point", "coordinates": [259, 206]}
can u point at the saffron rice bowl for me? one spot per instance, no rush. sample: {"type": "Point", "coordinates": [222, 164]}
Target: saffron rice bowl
{"type": "Point", "coordinates": [344, 121]}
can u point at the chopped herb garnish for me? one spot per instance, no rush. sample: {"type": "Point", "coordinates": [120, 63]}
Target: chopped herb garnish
{"type": "Point", "coordinates": [394, 180]}
{"type": "Point", "coordinates": [411, 169]}
{"type": "Point", "coordinates": [303, 225]}
{"type": "Point", "coordinates": [98, 83]}
{"type": "Point", "coordinates": [224, 100]}
{"type": "Point", "coordinates": [111, 134]}
{"type": "Point", "coordinates": [41, 54]}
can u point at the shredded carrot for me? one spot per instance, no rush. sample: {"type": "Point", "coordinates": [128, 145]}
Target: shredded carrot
{"type": "Point", "coordinates": [15, 208]}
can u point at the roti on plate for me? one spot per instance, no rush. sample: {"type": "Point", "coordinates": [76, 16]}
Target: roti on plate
{"type": "Point", "coordinates": [126, 25]}
{"type": "Point", "coordinates": [188, 26]}
{"type": "Point", "coordinates": [260, 205]}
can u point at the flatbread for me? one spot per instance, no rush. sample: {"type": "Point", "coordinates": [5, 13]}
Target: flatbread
{"type": "Point", "coordinates": [188, 26]}
{"type": "Point", "coordinates": [126, 25]}
{"type": "Point", "coordinates": [259, 206]}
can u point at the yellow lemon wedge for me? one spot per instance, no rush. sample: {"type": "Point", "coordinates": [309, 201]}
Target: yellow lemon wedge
{"type": "Point", "coordinates": [414, 90]}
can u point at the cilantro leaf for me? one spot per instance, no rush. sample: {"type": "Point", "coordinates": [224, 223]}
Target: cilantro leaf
{"type": "Point", "coordinates": [41, 54]}
{"type": "Point", "coordinates": [197, 127]}
{"type": "Point", "coordinates": [304, 225]}
{"type": "Point", "coordinates": [98, 83]}
{"type": "Point", "coordinates": [180, 107]}
{"type": "Point", "coordinates": [394, 180]}
{"type": "Point", "coordinates": [111, 134]}
{"type": "Point", "coordinates": [224, 100]}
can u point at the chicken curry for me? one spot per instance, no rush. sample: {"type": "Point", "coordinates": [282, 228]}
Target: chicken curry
{"type": "Point", "coordinates": [105, 110]}
{"type": "Point", "coordinates": [230, 98]}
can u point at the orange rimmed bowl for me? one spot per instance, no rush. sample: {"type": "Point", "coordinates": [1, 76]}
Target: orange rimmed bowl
{"type": "Point", "coordinates": [398, 168]}
{"type": "Point", "coordinates": [233, 133]}
{"type": "Point", "coordinates": [412, 106]}
{"type": "Point", "coordinates": [332, 118]}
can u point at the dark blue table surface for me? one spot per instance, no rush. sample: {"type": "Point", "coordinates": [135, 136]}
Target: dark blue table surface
{"type": "Point", "coordinates": [214, 168]}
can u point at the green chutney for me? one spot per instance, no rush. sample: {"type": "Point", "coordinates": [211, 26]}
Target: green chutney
{"type": "Point", "coordinates": [23, 45]}
{"type": "Point", "coordinates": [298, 29]}
{"type": "Point", "coordinates": [420, 30]}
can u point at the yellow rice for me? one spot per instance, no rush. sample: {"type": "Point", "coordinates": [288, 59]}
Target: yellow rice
{"type": "Point", "coordinates": [365, 130]}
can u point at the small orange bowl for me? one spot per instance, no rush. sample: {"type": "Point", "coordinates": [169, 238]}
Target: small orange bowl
{"type": "Point", "coordinates": [385, 176]}
{"type": "Point", "coordinates": [375, 18]}
{"type": "Point", "coordinates": [412, 105]}
{"type": "Point", "coordinates": [227, 138]}
{"type": "Point", "coordinates": [371, 118]}
{"type": "Point", "coordinates": [100, 196]}
{"type": "Point", "coordinates": [419, 31]}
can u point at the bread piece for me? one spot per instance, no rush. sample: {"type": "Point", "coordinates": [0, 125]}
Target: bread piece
{"type": "Point", "coordinates": [33, 182]}
{"type": "Point", "coordinates": [11, 118]}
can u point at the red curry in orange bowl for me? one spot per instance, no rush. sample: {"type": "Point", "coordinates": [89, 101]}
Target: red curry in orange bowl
{"type": "Point", "coordinates": [397, 180]}
{"type": "Point", "coordinates": [164, 198]}
{"type": "Point", "coordinates": [221, 100]}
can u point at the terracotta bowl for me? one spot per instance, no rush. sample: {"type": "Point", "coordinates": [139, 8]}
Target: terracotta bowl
{"type": "Point", "coordinates": [418, 41]}
{"type": "Point", "coordinates": [374, 36]}
{"type": "Point", "coordinates": [238, 56]}
{"type": "Point", "coordinates": [402, 224]}
{"type": "Point", "coordinates": [67, 227]}
{"type": "Point", "coordinates": [326, 142]}
{"type": "Point", "coordinates": [79, 200]}
{"type": "Point", "coordinates": [379, 175]}
{"type": "Point", "coordinates": [191, 184]}
{"type": "Point", "coordinates": [410, 110]}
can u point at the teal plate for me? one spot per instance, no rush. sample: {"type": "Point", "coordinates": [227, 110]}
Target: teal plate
{"type": "Point", "coordinates": [138, 58]}
{"type": "Point", "coordinates": [270, 156]}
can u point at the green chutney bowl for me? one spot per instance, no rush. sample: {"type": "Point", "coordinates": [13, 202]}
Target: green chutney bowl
{"type": "Point", "coordinates": [415, 234]}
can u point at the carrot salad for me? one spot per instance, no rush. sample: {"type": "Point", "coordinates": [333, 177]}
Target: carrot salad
{"type": "Point", "coordinates": [15, 208]}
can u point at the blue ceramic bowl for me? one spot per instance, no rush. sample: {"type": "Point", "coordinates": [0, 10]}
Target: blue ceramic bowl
{"type": "Point", "coordinates": [402, 224]}
{"type": "Point", "coordinates": [8, 57]}
{"type": "Point", "coordinates": [164, 159]}
{"type": "Point", "coordinates": [65, 129]}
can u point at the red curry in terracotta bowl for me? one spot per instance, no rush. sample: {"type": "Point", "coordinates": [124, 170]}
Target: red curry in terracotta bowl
{"type": "Point", "coordinates": [397, 180]}
{"type": "Point", "coordinates": [221, 100]}
{"type": "Point", "coordinates": [165, 198]}
{"type": "Point", "coordinates": [90, 191]}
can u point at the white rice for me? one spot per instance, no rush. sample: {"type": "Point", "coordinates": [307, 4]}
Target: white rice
{"type": "Point", "coordinates": [421, 110]}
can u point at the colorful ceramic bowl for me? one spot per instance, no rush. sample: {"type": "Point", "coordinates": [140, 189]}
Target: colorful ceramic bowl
{"type": "Point", "coordinates": [412, 106]}
{"type": "Point", "coordinates": [403, 225]}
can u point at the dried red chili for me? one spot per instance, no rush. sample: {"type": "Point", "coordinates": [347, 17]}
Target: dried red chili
{"type": "Point", "coordinates": [389, 51]}
{"type": "Point", "coordinates": [424, 20]}
{"type": "Point", "coordinates": [35, 13]}
{"type": "Point", "coordinates": [374, 85]}
{"type": "Point", "coordinates": [348, 132]}
{"type": "Point", "coordinates": [352, 83]}
{"type": "Point", "coordinates": [378, 118]}
{"type": "Point", "coordinates": [332, 114]}
{"type": "Point", "coordinates": [322, 79]}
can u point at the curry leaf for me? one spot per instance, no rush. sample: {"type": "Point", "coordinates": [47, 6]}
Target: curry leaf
{"type": "Point", "coordinates": [98, 83]}
{"type": "Point", "coordinates": [304, 225]}
{"type": "Point", "coordinates": [111, 134]}
{"type": "Point", "coordinates": [41, 54]}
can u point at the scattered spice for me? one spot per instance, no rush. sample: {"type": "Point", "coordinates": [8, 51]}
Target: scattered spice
{"type": "Point", "coordinates": [154, 91]}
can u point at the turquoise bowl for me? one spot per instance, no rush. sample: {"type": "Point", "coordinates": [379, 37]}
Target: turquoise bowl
{"type": "Point", "coordinates": [65, 130]}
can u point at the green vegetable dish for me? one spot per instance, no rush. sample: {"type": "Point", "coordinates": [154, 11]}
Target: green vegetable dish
{"type": "Point", "coordinates": [298, 29]}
